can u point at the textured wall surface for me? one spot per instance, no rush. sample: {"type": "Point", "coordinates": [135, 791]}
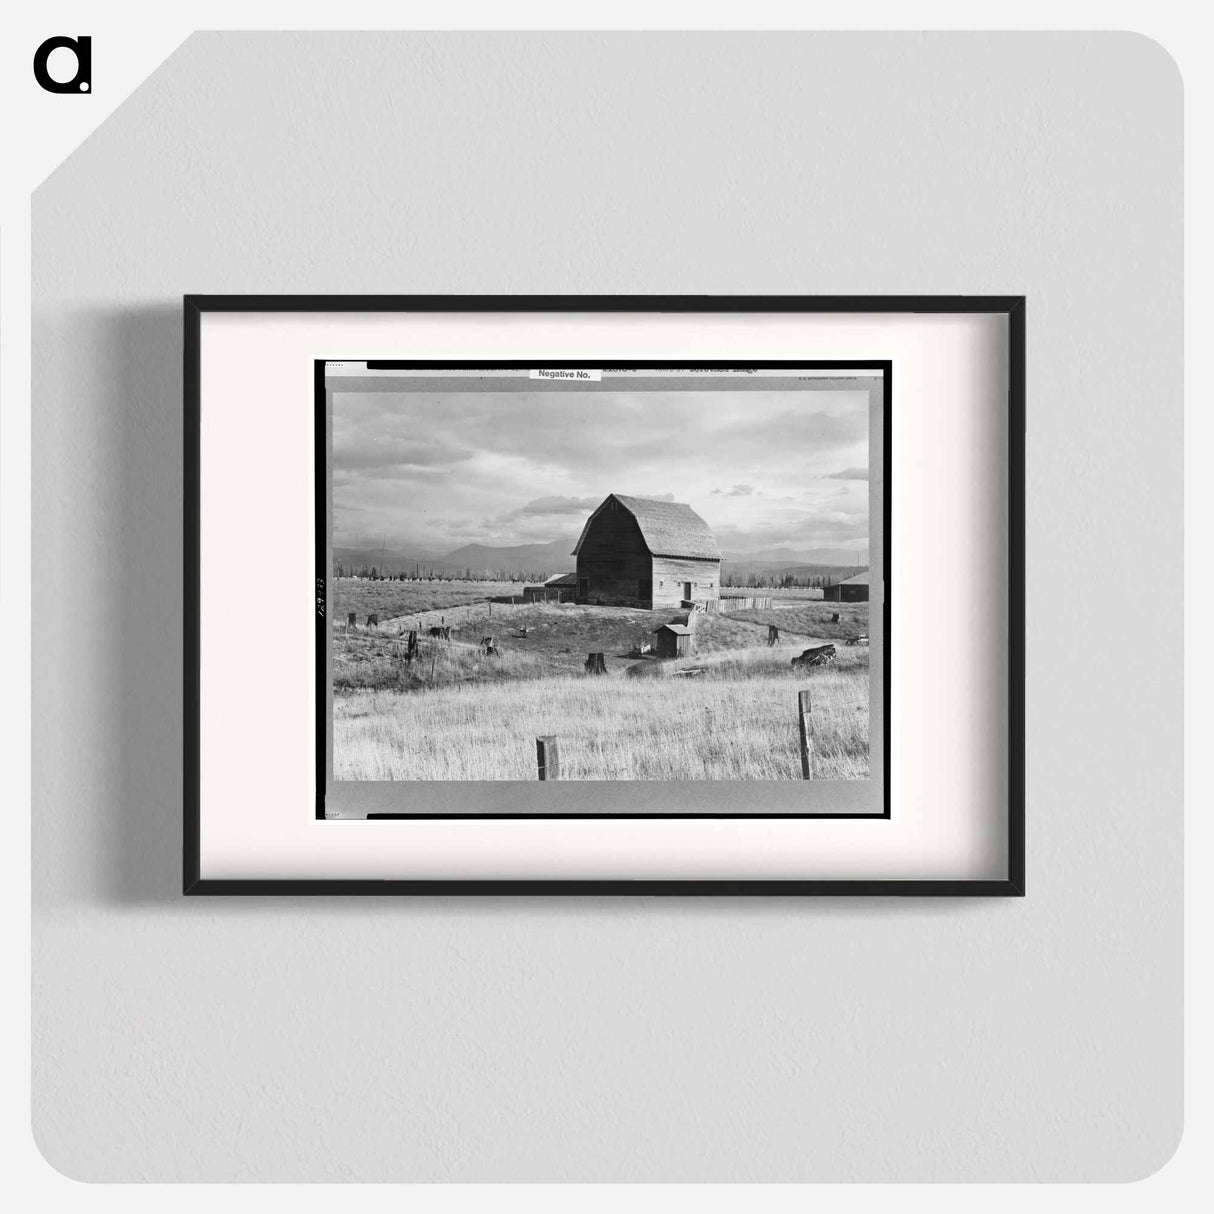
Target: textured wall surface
{"type": "Point", "coordinates": [1036, 1039]}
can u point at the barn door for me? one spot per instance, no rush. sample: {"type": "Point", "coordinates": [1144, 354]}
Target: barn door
{"type": "Point", "coordinates": [687, 590]}
{"type": "Point", "coordinates": [583, 589]}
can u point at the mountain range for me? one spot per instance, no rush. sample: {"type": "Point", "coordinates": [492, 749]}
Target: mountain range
{"type": "Point", "coordinates": [799, 556]}
{"type": "Point", "coordinates": [556, 557]}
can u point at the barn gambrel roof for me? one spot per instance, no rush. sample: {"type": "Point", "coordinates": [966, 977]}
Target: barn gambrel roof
{"type": "Point", "coordinates": [668, 528]}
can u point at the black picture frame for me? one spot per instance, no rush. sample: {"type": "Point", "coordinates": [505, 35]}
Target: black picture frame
{"type": "Point", "coordinates": [1012, 307]}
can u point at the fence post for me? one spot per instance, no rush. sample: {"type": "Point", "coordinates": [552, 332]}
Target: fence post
{"type": "Point", "coordinates": [805, 717]}
{"type": "Point", "coordinates": [548, 759]}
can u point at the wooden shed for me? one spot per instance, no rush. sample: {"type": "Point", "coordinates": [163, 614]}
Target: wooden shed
{"type": "Point", "coordinates": [674, 641]}
{"type": "Point", "coordinates": [852, 590]}
{"type": "Point", "coordinates": [639, 552]}
{"type": "Point", "coordinates": [557, 589]}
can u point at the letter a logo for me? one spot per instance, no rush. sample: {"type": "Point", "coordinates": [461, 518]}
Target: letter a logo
{"type": "Point", "coordinates": [82, 81]}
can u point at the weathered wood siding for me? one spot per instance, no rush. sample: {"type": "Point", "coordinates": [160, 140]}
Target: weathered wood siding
{"type": "Point", "coordinates": [614, 560]}
{"type": "Point", "coordinates": [671, 644]}
{"type": "Point", "coordinates": [669, 574]}
{"type": "Point", "coordinates": [547, 594]}
{"type": "Point", "coordinates": [736, 602]}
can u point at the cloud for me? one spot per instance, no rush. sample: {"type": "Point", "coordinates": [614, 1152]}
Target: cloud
{"type": "Point", "coordinates": [557, 505]}
{"type": "Point", "coordinates": [810, 533]}
{"type": "Point", "coordinates": [369, 454]}
{"type": "Point", "coordinates": [440, 467]}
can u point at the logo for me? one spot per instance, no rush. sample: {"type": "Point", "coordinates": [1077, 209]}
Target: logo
{"type": "Point", "coordinates": [82, 81]}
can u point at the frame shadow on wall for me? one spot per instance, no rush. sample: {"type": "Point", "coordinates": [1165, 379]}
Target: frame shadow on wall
{"type": "Point", "coordinates": [127, 757]}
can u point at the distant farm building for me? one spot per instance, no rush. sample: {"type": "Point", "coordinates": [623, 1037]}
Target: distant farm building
{"type": "Point", "coordinates": [557, 589]}
{"type": "Point", "coordinates": [673, 641]}
{"type": "Point", "coordinates": [637, 552]}
{"type": "Point", "coordinates": [852, 590]}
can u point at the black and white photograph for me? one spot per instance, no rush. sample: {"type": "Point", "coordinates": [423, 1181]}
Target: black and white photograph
{"type": "Point", "coordinates": [574, 574]}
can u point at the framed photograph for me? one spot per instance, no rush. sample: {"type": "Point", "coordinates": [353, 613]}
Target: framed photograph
{"type": "Point", "coordinates": [604, 595]}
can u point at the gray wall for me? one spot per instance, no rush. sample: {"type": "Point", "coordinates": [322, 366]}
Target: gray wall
{"type": "Point", "coordinates": [628, 1039]}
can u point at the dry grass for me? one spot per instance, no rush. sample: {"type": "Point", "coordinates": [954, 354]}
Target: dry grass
{"type": "Point", "coordinates": [806, 593]}
{"type": "Point", "coordinates": [390, 599]}
{"type": "Point", "coordinates": [736, 722]}
{"type": "Point", "coordinates": [734, 664]}
{"type": "Point", "coordinates": [454, 713]}
{"type": "Point", "coordinates": [378, 664]}
{"type": "Point", "coordinates": [559, 636]}
{"type": "Point", "coordinates": [813, 619]}
{"type": "Point", "coordinates": [772, 592]}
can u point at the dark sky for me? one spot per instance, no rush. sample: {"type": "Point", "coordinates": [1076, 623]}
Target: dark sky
{"type": "Point", "coordinates": [435, 470]}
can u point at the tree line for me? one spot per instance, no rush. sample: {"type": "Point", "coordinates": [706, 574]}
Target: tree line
{"type": "Point", "coordinates": [426, 573]}
{"type": "Point", "coordinates": [748, 581]}
{"type": "Point", "coordinates": [791, 581]}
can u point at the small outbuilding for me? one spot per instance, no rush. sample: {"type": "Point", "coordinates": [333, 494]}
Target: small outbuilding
{"type": "Point", "coordinates": [851, 590]}
{"type": "Point", "coordinates": [674, 641]}
{"type": "Point", "coordinates": [559, 588]}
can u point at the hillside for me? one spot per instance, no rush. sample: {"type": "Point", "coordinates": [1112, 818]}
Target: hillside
{"type": "Point", "coordinates": [482, 559]}
{"type": "Point", "coordinates": [536, 560]}
{"type": "Point", "coordinates": [789, 557]}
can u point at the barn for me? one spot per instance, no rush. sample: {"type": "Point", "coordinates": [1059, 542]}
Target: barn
{"type": "Point", "coordinates": [852, 590]}
{"type": "Point", "coordinates": [557, 589]}
{"type": "Point", "coordinates": [638, 552]}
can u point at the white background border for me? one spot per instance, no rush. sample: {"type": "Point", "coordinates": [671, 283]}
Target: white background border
{"type": "Point", "coordinates": [1181, 27]}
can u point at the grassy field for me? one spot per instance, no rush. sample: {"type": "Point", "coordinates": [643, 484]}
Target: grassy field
{"type": "Point", "coordinates": [788, 593]}
{"type": "Point", "coordinates": [455, 713]}
{"type": "Point", "coordinates": [812, 619]}
{"type": "Point", "coordinates": [737, 722]}
{"type": "Point", "coordinates": [558, 638]}
{"type": "Point", "coordinates": [391, 599]}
